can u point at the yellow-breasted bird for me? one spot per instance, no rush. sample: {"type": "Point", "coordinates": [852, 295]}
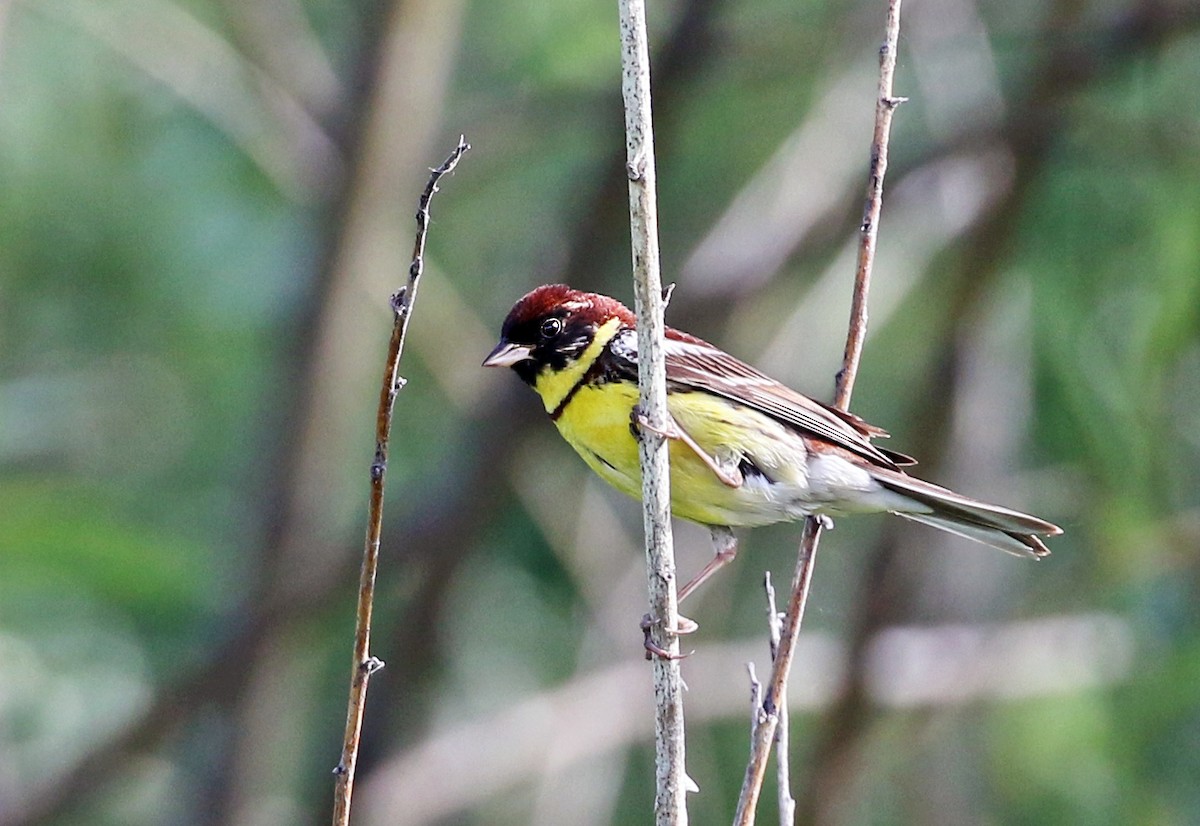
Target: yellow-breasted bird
{"type": "Point", "coordinates": [745, 450]}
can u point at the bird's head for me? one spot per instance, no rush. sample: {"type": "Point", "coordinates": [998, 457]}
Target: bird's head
{"type": "Point", "coordinates": [552, 326]}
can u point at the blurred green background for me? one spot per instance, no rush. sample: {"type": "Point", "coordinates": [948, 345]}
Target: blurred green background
{"type": "Point", "coordinates": [204, 205]}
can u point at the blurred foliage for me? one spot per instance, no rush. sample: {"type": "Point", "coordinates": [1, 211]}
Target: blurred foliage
{"type": "Point", "coordinates": [205, 206]}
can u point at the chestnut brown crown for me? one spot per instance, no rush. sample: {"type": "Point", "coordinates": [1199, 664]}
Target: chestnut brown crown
{"type": "Point", "coordinates": [550, 326]}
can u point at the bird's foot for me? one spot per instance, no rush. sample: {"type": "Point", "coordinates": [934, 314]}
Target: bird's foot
{"type": "Point", "coordinates": [684, 626]}
{"type": "Point", "coordinates": [639, 421]}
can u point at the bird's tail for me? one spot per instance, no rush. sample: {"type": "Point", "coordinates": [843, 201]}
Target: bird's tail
{"type": "Point", "coordinates": [1009, 530]}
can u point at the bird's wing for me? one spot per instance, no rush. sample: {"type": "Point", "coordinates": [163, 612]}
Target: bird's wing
{"type": "Point", "coordinates": [695, 364]}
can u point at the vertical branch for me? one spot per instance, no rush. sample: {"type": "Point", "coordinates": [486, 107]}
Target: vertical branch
{"type": "Point", "coordinates": [868, 231]}
{"type": "Point", "coordinates": [669, 800]}
{"type": "Point", "coordinates": [364, 665]}
{"type": "Point", "coordinates": [783, 763]}
{"type": "Point", "coordinates": [776, 693]}
{"type": "Point", "coordinates": [767, 718]}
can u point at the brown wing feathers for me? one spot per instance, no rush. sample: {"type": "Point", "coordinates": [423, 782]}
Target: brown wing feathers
{"type": "Point", "coordinates": [695, 363]}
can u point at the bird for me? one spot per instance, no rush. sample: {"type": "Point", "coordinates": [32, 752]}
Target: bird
{"type": "Point", "coordinates": [745, 450]}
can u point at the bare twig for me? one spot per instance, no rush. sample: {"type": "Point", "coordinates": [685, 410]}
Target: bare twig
{"type": "Point", "coordinates": [776, 695]}
{"type": "Point", "coordinates": [768, 719]}
{"type": "Point", "coordinates": [868, 231]}
{"type": "Point", "coordinates": [783, 770]}
{"type": "Point", "coordinates": [670, 806]}
{"type": "Point", "coordinates": [364, 664]}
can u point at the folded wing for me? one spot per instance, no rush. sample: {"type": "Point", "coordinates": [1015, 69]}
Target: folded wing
{"type": "Point", "coordinates": [695, 364]}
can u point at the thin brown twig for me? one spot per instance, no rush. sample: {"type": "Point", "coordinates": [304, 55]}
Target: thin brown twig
{"type": "Point", "coordinates": [868, 231]}
{"type": "Point", "coordinates": [783, 768]}
{"type": "Point", "coordinates": [767, 719]}
{"type": "Point", "coordinates": [776, 694]}
{"type": "Point", "coordinates": [364, 664]}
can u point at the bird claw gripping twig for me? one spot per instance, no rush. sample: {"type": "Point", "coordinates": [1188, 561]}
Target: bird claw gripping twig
{"type": "Point", "coordinates": [673, 431]}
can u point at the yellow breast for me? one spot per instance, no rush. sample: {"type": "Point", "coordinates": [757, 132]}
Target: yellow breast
{"type": "Point", "coordinates": [597, 424]}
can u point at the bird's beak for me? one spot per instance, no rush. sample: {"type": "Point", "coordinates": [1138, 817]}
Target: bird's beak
{"type": "Point", "coordinates": [507, 354]}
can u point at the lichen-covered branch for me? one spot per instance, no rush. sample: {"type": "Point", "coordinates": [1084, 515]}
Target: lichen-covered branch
{"type": "Point", "coordinates": [669, 801]}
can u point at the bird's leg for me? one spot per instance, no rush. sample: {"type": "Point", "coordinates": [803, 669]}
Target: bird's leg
{"type": "Point", "coordinates": [673, 431]}
{"type": "Point", "coordinates": [723, 537]}
{"type": "Point", "coordinates": [725, 545]}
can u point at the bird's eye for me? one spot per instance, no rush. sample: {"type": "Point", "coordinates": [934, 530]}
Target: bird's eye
{"type": "Point", "coordinates": [551, 327]}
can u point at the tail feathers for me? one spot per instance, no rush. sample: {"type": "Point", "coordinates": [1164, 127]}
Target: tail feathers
{"type": "Point", "coordinates": [1002, 528]}
{"type": "Point", "coordinates": [1018, 544]}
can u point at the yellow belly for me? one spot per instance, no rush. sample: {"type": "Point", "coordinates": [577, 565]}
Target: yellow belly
{"type": "Point", "coordinates": [596, 423]}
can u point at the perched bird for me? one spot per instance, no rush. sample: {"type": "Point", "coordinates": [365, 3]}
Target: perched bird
{"type": "Point", "coordinates": [745, 450]}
